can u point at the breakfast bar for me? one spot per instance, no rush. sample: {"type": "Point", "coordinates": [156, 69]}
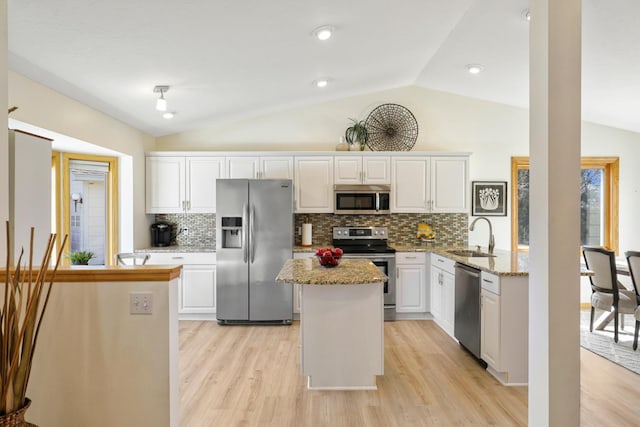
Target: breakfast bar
{"type": "Point", "coordinates": [341, 322]}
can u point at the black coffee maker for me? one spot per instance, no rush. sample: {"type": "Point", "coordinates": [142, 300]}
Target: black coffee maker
{"type": "Point", "coordinates": [161, 234]}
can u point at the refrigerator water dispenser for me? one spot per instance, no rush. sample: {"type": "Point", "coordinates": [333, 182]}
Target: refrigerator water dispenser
{"type": "Point", "coordinates": [232, 232]}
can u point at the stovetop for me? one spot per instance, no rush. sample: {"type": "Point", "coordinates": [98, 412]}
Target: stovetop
{"type": "Point", "coordinates": [362, 240]}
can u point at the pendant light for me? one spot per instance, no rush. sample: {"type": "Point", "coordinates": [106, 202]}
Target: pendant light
{"type": "Point", "coordinates": [161, 103]}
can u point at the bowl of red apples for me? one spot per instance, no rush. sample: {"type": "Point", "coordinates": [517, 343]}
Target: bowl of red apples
{"type": "Point", "coordinates": [329, 257]}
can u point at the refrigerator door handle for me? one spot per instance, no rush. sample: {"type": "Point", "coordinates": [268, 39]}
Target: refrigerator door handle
{"type": "Point", "coordinates": [252, 238]}
{"type": "Point", "coordinates": [245, 245]}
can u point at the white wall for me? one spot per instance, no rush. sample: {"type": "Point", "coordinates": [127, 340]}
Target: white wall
{"type": "Point", "coordinates": [446, 122]}
{"type": "Point", "coordinates": [48, 109]}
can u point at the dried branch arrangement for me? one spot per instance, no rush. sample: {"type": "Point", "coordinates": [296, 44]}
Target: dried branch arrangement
{"type": "Point", "coordinates": [26, 295]}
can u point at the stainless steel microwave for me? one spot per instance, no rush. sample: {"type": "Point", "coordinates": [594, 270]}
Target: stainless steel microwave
{"type": "Point", "coordinates": [362, 199]}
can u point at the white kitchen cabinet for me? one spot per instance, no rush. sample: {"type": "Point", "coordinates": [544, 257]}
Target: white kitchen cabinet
{"type": "Point", "coordinates": [443, 292]}
{"type": "Point", "coordinates": [449, 186]}
{"type": "Point", "coordinates": [200, 190]}
{"type": "Point", "coordinates": [197, 284]}
{"type": "Point", "coordinates": [198, 293]}
{"type": "Point", "coordinates": [435, 287]}
{"type": "Point", "coordinates": [435, 184]}
{"type": "Point", "coordinates": [504, 322]}
{"type": "Point", "coordinates": [362, 170]}
{"type": "Point", "coordinates": [411, 271]}
{"type": "Point", "coordinates": [314, 184]}
{"type": "Point", "coordinates": [176, 184]}
{"type": "Point", "coordinates": [409, 180]}
{"type": "Point", "coordinates": [296, 286]}
{"type": "Point", "coordinates": [264, 167]}
{"type": "Point", "coordinates": [490, 327]}
{"type": "Point", "coordinates": [165, 184]}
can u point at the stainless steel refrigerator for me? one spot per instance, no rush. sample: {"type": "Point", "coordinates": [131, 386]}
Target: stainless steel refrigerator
{"type": "Point", "coordinates": [254, 238]}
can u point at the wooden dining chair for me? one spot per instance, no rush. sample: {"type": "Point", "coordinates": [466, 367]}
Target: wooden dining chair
{"type": "Point", "coordinates": [633, 260]}
{"type": "Point", "coordinates": [606, 292]}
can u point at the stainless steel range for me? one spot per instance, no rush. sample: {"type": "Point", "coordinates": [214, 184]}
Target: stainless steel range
{"type": "Point", "coordinates": [371, 243]}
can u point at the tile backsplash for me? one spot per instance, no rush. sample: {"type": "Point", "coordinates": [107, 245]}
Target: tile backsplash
{"type": "Point", "coordinates": [450, 229]}
{"type": "Point", "coordinates": [201, 229]}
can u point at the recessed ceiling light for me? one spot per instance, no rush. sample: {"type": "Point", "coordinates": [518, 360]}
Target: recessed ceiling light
{"type": "Point", "coordinates": [168, 115]}
{"type": "Point", "coordinates": [475, 68]}
{"type": "Point", "coordinates": [321, 82]}
{"type": "Point", "coordinates": [526, 15]}
{"type": "Point", "coordinates": [323, 33]}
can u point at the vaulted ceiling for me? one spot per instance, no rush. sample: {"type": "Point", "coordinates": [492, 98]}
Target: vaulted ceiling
{"type": "Point", "coordinates": [231, 59]}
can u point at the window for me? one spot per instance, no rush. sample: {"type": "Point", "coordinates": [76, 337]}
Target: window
{"type": "Point", "coordinates": [598, 201]}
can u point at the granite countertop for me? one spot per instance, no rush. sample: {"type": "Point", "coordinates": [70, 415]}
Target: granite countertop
{"type": "Point", "coordinates": [177, 248]}
{"type": "Point", "coordinates": [349, 272]}
{"type": "Point", "coordinates": [503, 263]}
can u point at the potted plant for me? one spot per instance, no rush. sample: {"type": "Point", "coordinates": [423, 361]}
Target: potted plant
{"type": "Point", "coordinates": [80, 257]}
{"type": "Point", "coordinates": [26, 295]}
{"type": "Point", "coordinates": [357, 133]}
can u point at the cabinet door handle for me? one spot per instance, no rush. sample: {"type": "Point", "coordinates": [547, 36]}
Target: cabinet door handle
{"type": "Point", "coordinates": [439, 260]}
{"type": "Point", "coordinates": [410, 257]}
{"type": "Point", "coordinates": [397, 274]}
{"type": "Point", "coordinates": [487, 280]}
{"type": "Point", "coordinates": [177, 257]}
{"type": "Point", "coordinates": [188, 205]}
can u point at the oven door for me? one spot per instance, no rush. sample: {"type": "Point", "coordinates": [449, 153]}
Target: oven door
{"type": "Point", "coordinates": [387, 264]}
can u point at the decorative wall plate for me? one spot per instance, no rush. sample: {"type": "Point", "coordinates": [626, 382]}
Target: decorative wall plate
{"type": "Point", "coordinates": [391, 127]}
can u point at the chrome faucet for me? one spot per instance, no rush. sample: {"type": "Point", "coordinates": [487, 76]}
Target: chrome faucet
{"type": "Point", "coordinates": [492, 240]}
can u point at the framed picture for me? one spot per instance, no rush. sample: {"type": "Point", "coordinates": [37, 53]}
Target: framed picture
{"type": "Point", "coordinates": [489, 198]}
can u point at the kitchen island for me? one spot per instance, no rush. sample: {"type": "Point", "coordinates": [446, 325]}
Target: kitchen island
{"type": "Point", "coordinates": [341, 322]}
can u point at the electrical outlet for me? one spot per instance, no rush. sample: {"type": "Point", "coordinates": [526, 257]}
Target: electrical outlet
{"type": "Point", "coordinates": [140, 302]}
{"type": "Point", "coordinates": [299, 231]}
{"type": "Point", "coordinates": [185, 231]}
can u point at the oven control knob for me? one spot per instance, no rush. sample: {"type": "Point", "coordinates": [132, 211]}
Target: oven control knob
{"type": "Point", "coordinates": [381, 231]}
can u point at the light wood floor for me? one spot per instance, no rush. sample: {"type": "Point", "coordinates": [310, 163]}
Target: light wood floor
{"type": "Point", "coordinates": [250, 376]}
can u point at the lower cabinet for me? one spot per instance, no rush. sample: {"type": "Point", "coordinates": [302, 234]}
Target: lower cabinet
{"type": "Point", "coordinates": [490, 328]}
{"type": "Point", "coordinates": [197, 284]}
{"type": "Point", "coordinates": [443, 292]}
{"type": "Point", "coordinates": [504, 320]}
{"type": "Point", "coordinates": [198, 293]}
{"type": "Point", "coordinates": [411, 274]}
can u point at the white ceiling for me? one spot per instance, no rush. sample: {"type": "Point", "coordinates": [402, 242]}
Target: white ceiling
{"type": "Point", "coordinates": [231, 59]}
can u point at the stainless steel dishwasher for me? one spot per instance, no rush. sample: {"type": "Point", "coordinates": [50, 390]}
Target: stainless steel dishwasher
{"type": "Point", "coordinates": [467, 314]}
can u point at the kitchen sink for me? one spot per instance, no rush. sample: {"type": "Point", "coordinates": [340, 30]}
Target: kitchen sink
{"type": "Point", "coordinates": [469, 253]}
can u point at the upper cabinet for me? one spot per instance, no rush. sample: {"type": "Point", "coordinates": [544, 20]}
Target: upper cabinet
{"type": "Point", "coordinates": [267, 167]}
{"type": "Point", "coordinates": [362, 170]}
{"type": "Point", "coordinates": [200, 189]}
{"type": "Point", "coordinates": [314, 184]}
{"type": "Point", "coordinates": [449, 184]}
{"type": "Point", "coordinates": [435, 184]}
{"type": "Point", "coordinates": [177, 184]}
{"type": "Point", "coordinates": [409, 180]}
{"type": "Point", "coordinates": [180, 182]}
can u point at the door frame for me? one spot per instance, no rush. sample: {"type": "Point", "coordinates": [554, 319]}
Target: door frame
{"type": "Point", "coordinates": [64, 221]}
